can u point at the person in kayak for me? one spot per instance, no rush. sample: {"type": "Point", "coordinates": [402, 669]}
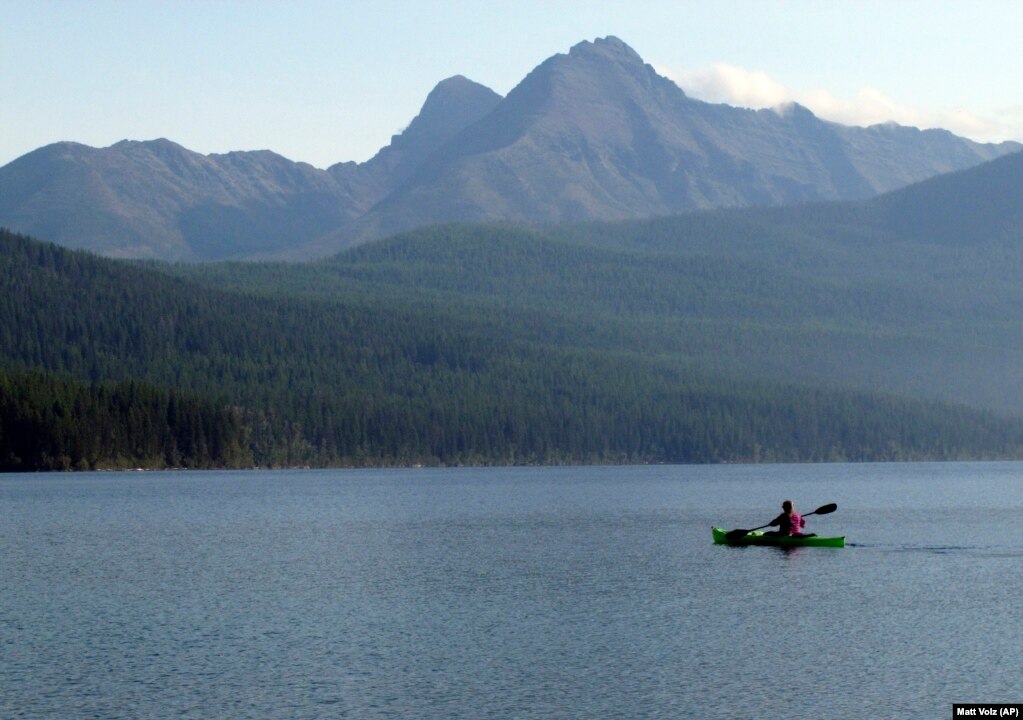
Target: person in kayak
{"type": "Point", "coordinates": [789, 522]}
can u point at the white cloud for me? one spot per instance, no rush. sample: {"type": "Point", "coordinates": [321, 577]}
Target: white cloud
{"type": "Point", "coordinates": [734, 85]}
{"type": "Point", "coordinates": [739, 86]}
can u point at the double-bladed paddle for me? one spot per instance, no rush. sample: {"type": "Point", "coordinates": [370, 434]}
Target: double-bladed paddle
{"type": "Point", "coordinates": [738, 534]}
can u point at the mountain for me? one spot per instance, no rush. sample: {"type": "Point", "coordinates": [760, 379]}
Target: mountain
{"type": "Point", "coordinates": [594, 134]}
{"type": "Point", "coordinates": [598, 134]}
{"type": "Point", "coordinates": [157, 199]}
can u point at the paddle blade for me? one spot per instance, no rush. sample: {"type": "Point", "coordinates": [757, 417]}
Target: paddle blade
{"type": "Point", "coordinates": [825, 509]}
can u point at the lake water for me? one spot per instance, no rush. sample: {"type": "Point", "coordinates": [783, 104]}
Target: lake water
{"type": "Point", "coordinates": [509, 593]}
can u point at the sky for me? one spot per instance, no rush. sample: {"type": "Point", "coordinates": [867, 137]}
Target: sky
{"type": "Point", "coordinates": [332, 81]}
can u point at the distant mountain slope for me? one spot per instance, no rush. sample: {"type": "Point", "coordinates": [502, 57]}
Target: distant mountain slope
{"type": "Point", "coordinates": [591, 134]}
{"type": "Point", "coordinates": [977, 209]}
{"type": "Point", "coordinates": [983, 204]}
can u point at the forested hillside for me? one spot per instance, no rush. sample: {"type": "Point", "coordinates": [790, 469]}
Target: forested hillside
{"type": "Point", "coordinates": [816, 294]}
{"type": "Point", "coordinates": [352, 363]}
{"type": "Point", "coordinates": [53, 423]}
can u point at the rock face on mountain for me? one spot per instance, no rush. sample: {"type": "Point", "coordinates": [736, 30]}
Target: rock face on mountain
{"type": "Point", "coordinates": [591, 134]}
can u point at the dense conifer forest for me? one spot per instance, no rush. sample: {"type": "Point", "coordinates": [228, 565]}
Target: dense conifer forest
{"type": "Point", "coordinates": [456, 345]}
{"type": "Point", "coordinates": [53, 423]}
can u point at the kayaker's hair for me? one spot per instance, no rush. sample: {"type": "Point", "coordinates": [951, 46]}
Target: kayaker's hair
{"type": "Point", "coordinates": [786, 505]}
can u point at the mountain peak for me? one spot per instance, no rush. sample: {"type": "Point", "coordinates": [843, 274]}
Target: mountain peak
{"type": "Point", "coordinates": [609, 66]}
{"type": "Point", "coordinates": [609, 46]}
{"type": "Point", "coordinates": [453, 104]}
{"type": "Point", "coordinates": [158, 145]}
{"type": "Point", "coordinates": [794, 111]}
{"type": "Point", "coordinates": [457, 83]}
{"type": "Point", "coordinates": [456, 95]}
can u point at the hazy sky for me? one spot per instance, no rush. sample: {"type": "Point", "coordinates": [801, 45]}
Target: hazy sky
{"type": "Point", "coordinates": [330, 81]}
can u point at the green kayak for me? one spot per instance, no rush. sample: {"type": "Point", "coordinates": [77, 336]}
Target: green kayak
{"type": "Point", "coordinates": [757, 537]}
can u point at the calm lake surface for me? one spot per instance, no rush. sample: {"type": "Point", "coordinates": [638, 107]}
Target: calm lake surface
{"type": "Point", "coordinates": [509, 593]}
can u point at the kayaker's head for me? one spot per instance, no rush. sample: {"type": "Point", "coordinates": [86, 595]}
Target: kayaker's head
{"type": "Point", "coordinates": [787, 506]}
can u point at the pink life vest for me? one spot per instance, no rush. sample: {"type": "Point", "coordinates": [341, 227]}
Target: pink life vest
{"type": "Point", "coordinates": [796, 524]}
